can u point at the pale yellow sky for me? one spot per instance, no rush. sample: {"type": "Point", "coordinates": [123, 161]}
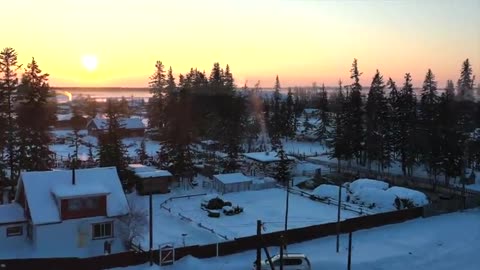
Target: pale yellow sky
{"type": "Point", "coordinates": [303, 41]}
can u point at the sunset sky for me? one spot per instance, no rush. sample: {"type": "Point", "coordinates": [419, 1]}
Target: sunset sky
{"type": "Point", "coordinates": [301, 41]}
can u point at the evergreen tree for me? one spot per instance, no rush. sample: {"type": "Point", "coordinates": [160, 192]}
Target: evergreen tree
{"type": "Point", "coordinates": [34, 120]}
{"type": "Point", "coordinates": [407, 120]}
{"type": "Point", "coordinates": [290, 123]}
{"type": "Point", "coordinates": [324, 119]}
{"type": "Point", "coordinates": [393, 118]}
{"type": "Point", "coordinates": [377, 148]}
{"type": "Point", "coordinates": [275, 127]}
{"type": "Point", "coordinates": [354, 129]}
{"type": "Point", "coordinates": [157, 84]}
{"type": "Point", "coordinates": [429, 128]}
{"type": "Point", "coordinates": [112, 151]}
{"type": "Point", "coordinates": [282, 172]}
{"type": "Point", "coordinates": [466, 82]}
{"type": "Point", "coordinates": [171, 87]}
{"type": "Point", "coordinates": [450, 88]}
{"type": "Point", "coordinates": [452, 137]}
{"type": "Point", "coordinates": [8, 128]}
{"type": "Point", "coordinates": [339, 147]}
{"type": "Point", "coordinates": [75, 137]}
{"type": "Point", "coordinates": [142, 152]}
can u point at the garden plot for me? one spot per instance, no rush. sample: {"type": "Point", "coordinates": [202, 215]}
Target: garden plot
{"type": "Point", "coordinates": [267, 205]}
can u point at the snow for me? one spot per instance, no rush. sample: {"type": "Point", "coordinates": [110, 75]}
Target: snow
{"type": "Point", "coordinates": [64, 117]}
{"type": "Point", "coordinates": [329, 191]}
{"type": "Point", "coordinates": [375, 198]}
{"type": "Point", "coordinates": [306, 168]}
{"type": "Point", "coordinates": [128, 123]}
{"type": "Point", "coordinates": [267, 205]}
{"type": "Point", "coordinates": [11, 213]}
{"type": "Point", "coordinates": [65, 191]}
{"type": "Point", "coordinates": [143, 171]}
{"type": "Point", "coordinates": [230, 178]}
{"type": "Point", "coordinates": [443, 242]}
{"type": "Point", "coordinates": [359, 184]}
{"type": "Point", "coordinates": [263, 157]}
{"type": "Point", "coordinates": [416, 197]}
{"type": "Point", "coordinates": [155, 173]}
{"type": "Point", "coordinates": [43, 208]}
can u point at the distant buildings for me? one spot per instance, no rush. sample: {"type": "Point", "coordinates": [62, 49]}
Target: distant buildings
{"type": "Point", "coordinates": [131, 127]}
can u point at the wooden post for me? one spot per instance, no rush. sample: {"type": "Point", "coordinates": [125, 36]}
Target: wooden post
{"type": "Point", "coordinates": [349, 263]}
{"type": "Point", "coordinates": [338, 216]}
{"type": "Point", "coordinates": [151, 227]}
{"type": "Point", "coordinates": [259, 245]}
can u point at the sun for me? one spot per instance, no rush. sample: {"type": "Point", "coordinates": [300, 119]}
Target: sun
{"type": "Point", "coordinates": [90, 62]}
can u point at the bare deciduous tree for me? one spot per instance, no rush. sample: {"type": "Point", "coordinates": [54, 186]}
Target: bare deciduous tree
{"type": "Point", "coordinates": [134, 225]}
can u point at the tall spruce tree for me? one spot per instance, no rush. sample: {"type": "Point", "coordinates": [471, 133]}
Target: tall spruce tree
{"type": "Point", "coordinates": [282, 172]}
{"type": "Point", "coordinates": [429, 126]}
{"type": "Point", "coordinates": [157, 84]}
{"type": "Point", "coordinates": [339, 147]}
{"type": "Point", "coordinates": [465, 96]}
{"type": "Point", "coordinates": [377, 144]}
{"type": "Point", "coordinates": [34, 120]}
{"type": "Point", "coordinates": [393, 119]}
{"type": "Point", "coordinates": [275, 122]}
{"type": "Point", "coordinates": [452, 138]}
{"type": "Point", "coordinates": [8, 128]}
{"type": "Point", "coordinates": [407, 133]}
{"type": "Point", "coordinates": [355, 131]}
{"type": "Point", "coordinates": [111, 150]}
{"type": "Point", "coordinates": [290, 123]}
{"type": "Point", "coordinates": [323, 108]}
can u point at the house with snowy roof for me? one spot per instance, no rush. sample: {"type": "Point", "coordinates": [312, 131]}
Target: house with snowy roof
{"type": "Point", "coordinates": [262, 163]}
{"type": "Point", "coordinates": [56, 214]}
{"type": "Point", "coordinates": [131, 127]}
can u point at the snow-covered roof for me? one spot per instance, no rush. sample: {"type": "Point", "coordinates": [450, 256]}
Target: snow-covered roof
{"type": "Point", "coordinates": [330, 191]}
{"type": "Point", "coordinates": [11, 213]}
{"type": "Point", "coordinates": [127, 123]}
{"type": "Point", "coordinates": [38, 188]}
{"type": "Point", "coordinates": [64, 117]}
{"type": "Point", "coordinates": [230, 178]}
{"type": "Point", "coordinates": [143, 171]}
{"type": "Point", "coordinates": [264, 156]}
{"type": "Point", "coordinates": [155, 173]}
{"type": "Point", "coordinates": [65, 191]}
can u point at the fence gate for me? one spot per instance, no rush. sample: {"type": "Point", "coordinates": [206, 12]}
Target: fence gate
{"type": "Point", "coordinates": [167, 254]}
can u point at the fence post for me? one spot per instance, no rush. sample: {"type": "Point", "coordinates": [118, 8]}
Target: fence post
{"type": "Point", "coordinates": [259, 245]}
{"type": "Point", "coordinates": [338, 215]}
{"type": "Point", "coordinates": [349, 263]}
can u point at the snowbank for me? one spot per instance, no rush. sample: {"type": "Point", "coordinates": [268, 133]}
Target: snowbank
{"type": "Point", "coordinates": [329, 191]}
{"type": "Point", "coordinates": [359, 184]}
{"type": "Point", "coordinates": [375, 198]}
{"type": "Point", "coordinates": [416, 197]}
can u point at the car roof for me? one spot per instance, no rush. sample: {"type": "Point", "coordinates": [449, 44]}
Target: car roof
{"type": "Point", "coordinates": [291, 255]}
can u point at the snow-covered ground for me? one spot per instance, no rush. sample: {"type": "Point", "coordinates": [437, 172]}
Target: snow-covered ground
{"type": "Point", "coordinates": [267, 205]}
{"type": "Point", "coordinates": [444, 242]}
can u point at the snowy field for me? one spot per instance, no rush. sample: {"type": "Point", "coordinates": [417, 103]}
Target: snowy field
{"type": "Point", "coordinates": [444, 242]}
{"type": "Point", "coordinates": [267, 205]}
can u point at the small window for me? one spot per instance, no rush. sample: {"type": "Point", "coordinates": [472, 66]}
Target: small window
{"type": "Point", "coordinates": [102, 230]}
{"type": "Point", "coordinates": [14, 231]}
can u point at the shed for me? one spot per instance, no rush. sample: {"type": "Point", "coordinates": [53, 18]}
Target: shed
{"type": "Point", "coordinates": [262, 163]}
{"type": "Point", "coordinates": [151, 179]}
{"type": "Point", "coordinates": [231, 182]}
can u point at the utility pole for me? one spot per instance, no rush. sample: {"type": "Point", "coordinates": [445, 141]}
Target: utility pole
{"type": "Point", "coordinates": [349, 263]}
{"type": "Point", "coordinates": [281, 252]}
{"type": "Point", "coordinates": [258, 262]}
{"type": "Point", "coordinates": [338, 215]}
{"type": "Point", "coordinates": [151, 227]}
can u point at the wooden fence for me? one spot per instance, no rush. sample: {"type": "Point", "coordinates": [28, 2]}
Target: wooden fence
{"type": "Point", "coordinates": [224, 248]}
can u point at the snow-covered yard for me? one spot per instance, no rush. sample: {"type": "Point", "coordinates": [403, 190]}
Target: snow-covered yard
{"type": "Point", "coordinates": [442, 243]}
{"type": "Point", "coordinates": [267, 205]}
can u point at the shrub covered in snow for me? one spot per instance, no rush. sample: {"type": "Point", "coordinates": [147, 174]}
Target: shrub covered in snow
{"type": "Point", "coordinates": [375, 198]}
{"type": "Point", "coordinates": [410, 197]}
{"type": "Point", "coordinates": [326, 191]}
{"type": "Point", "coordinates": [359, 184]}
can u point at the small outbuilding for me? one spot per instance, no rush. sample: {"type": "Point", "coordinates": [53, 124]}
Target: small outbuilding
{"type": "Point", "coordinates": [130, 127]}
{"type": "Point", "coordinates": [263, 163]}
{"type": "Point", "coordinates": [151, 180]}
{"type": "Point", "coordinates": [231, 182]}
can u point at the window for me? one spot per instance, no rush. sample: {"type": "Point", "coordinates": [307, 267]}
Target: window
{"type": "Point", "coordinates": [102, 230]}
{"type": "Point", "coordinates": [81, 204]}
{"type": "Point", "coordinates": [14, 231]}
